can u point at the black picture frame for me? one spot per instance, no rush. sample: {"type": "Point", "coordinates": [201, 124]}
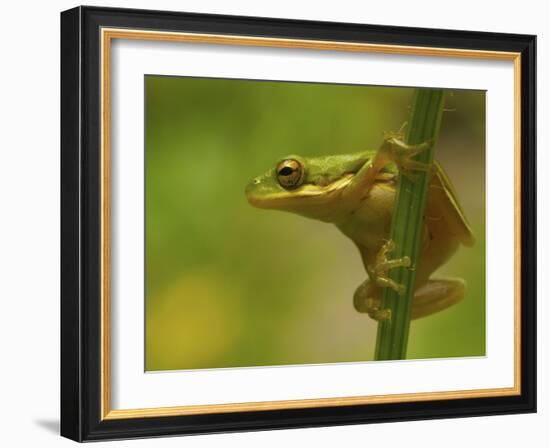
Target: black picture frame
{"type": "Point", "coordinates": [81, 227]}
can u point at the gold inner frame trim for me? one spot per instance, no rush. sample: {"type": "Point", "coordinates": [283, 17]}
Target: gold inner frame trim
{"type": "Point", "coordinates": [107, 35]}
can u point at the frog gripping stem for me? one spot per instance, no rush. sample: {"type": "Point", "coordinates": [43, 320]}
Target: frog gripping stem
{"type": "Point", "coordinates": [379, 271]}
{"type": "Point", "coordinates": [415, 153]}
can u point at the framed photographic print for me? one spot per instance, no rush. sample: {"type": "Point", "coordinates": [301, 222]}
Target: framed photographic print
{"type": "Point", "coordinates": [271, 223]}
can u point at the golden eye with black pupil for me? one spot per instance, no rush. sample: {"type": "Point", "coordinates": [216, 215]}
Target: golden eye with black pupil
{"type": "Point", "coordinates": [290, 174]}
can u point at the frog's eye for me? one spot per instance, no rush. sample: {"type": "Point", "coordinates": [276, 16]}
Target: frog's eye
{"type": "Point", "coordinates": [290, 174]}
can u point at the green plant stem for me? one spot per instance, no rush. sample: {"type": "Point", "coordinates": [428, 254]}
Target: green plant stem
{"type": "Point", "coordinates": [407, 226]}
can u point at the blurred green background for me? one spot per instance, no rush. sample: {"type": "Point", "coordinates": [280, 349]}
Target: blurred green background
{"type": "Point", "coordinates": [219, 290]}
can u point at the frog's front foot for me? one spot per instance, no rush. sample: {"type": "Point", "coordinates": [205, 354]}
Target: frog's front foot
{"type": "Point", "coordinates": [402, 153]}
{"type": "Point", "coordinates": [378, 272]}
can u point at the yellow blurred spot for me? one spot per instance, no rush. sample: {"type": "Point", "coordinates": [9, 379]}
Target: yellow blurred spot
{"type": "Point", "coordinates": [192, 323]}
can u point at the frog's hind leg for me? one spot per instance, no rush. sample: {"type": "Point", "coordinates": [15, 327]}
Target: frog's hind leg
{"type": "Point", "coordinates": [432, 297]}
{"type": "Point", "coordinates": [437, 295]}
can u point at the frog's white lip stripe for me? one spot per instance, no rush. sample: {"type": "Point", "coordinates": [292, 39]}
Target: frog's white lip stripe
{"type": "Point", "coordinates": [305, 191]}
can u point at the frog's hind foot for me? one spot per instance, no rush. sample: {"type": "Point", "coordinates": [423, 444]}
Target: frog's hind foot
{"type": "Point", "coordinates": [367, 296]}
{"type": "Point", "coordinates": [379, 271]}
{"type": "Point", "coordinates": [365, 301]}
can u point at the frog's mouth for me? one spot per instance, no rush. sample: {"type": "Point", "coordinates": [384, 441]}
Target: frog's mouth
{"type": "Point", "coordinates": [306, 193]}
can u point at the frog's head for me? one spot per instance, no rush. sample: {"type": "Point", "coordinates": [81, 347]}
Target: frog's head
{"type": "Point", "coordinates": [306, 186]}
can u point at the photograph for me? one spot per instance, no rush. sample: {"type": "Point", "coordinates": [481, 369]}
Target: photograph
{"type": "Point", "coordinates": [268, 212]}
{"type": "Point", "coordinates": [272, 224]}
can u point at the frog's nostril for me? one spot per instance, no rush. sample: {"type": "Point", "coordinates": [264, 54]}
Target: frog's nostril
{"type": "Point", "coordinates": [256, 181]}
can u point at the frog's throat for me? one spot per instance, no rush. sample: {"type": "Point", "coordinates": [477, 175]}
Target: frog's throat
{"type": "Point", "coordinates": [307, 190]}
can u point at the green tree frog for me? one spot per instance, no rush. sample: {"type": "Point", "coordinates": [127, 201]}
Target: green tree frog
{"type": "Point", "coordinates": [356, 192]}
